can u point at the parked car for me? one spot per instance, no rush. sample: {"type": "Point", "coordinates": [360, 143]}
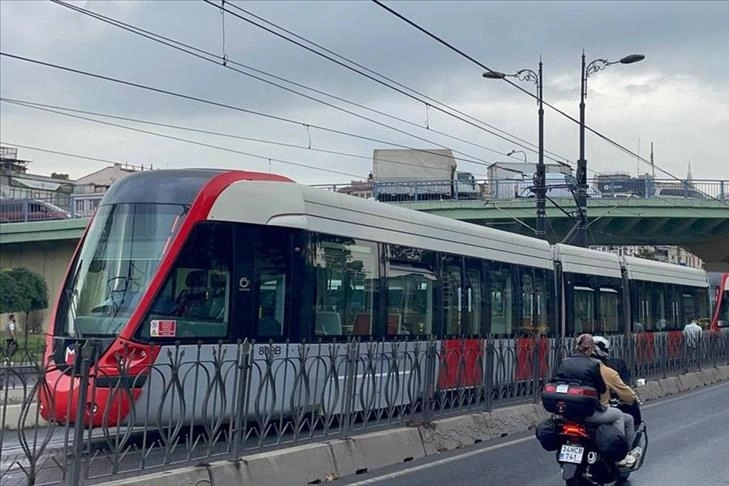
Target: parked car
{"type": "Point", "coordinates": [21, 210]}
{"type": "Point", "coordinates": [679, 192]}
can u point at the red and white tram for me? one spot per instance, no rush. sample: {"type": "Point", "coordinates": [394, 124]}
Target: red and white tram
{"type": "Point", "coordinates": [191, 262]}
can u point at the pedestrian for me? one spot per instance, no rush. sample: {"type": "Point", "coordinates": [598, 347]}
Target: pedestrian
{"type": "Point", "coordinates": [692, 341]}
{"type": "Point", "coordinates": [11, 342]}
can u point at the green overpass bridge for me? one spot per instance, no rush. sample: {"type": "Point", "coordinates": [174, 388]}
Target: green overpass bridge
{"type": "Point", "coordinates": [701, 226]}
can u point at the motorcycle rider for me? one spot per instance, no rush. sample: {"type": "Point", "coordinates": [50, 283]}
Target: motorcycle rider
{"type": "Point", "coordinates": [582, 368]}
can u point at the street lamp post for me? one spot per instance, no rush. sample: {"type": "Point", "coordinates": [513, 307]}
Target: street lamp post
{"type": "Point", "coordinates": [539, 176]}
{"type": "Point", "coordinates": [587, 70]}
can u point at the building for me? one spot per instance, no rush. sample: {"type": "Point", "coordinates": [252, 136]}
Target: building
{"type": "Point", "coordinates": [80, 197]}
{"type": "Point", "coordinates": [91, 188]}
{"type": "Point", "coordinates": [17, 183]}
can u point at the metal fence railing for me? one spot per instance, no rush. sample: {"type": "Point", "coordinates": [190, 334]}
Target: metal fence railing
{"type": "Point", "coordinates": [197, 403]}
{"type": "Point", "coordinates": [19, 208]}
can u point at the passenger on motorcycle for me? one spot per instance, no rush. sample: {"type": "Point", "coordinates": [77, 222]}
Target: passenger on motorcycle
{"type": "Point", "coordinates": [629, 401]}
{"type": "Point", "coordinates": [582, 368]}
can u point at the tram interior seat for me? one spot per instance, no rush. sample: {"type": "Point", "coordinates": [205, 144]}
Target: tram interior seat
{"type": "Point", "coordinates": [362, 324]}
{"type": "Point", "coordinates": [328, 323]}
{"type": "Point", "coordinates": [218, 284]}
{"type": "Point", "coordinates": [192, 301]}
{"type": "Point", "coordinates": [394, 324]}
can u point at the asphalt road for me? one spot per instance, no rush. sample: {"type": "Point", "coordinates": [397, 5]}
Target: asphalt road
{"type": "Point", "coordinates": [689, 445]}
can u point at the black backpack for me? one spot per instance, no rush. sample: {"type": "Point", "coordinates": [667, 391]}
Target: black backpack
{"type": "Point", "coordinates": [611, 443]}
{"type": "Point", "coordinates": [548, 434]}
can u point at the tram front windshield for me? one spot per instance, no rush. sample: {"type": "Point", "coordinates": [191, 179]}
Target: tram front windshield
{"type": "Point", "coordinates": [118, 259]}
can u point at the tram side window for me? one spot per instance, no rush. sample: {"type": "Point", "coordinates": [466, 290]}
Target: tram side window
{"type": "Point", "coordinates": [644, 319]}
{"type": "Point", "coordinates": [411, 281]}
{"type": "Point", "coordinates": [702, 303]}
{"type": "Point", "coordinates": [346, 275]}
{"type": "Point", "coordinates": [194, 300]}
{"type": "Point", "coordinates": [609, 310]}
{"type": "Point", "coordinates": [584, 309]}
{"type": "Point", "coordinates": [659, 307]}
{"type": "Point", "coordinates": [270, 279]}
{"type": "Point", "coordinates": [528, 302]}
{"type": "Point", "coordinates": [501, 294]}
{"type": "Point", "coordinates": [541, 303]}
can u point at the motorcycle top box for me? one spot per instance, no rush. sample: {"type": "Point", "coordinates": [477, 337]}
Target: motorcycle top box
{"type": "Point", "coordinates": [570, 400]}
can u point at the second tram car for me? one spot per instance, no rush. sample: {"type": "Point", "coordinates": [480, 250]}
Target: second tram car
{"type": "Point", "coordinates": [178, 266]}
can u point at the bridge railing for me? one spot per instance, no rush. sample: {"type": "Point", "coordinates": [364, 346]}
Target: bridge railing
{"type": "Point", "coordinates": [517, 188]}
{"type": "Point", "coordinates": [197, 404]}
{"type": "Point", "coordinates": [55, 207]}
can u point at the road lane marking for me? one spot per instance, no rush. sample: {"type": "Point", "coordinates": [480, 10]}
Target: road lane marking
{"type": "Point", "coordinates": [457, 457]}
{"type": "Point", "coordinates": [441, 461]}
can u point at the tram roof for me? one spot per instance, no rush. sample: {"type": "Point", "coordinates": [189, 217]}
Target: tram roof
{"type": "Point", "coordinates": [298, 206]}
{"type": "Point", "coordinates": [653, 271]}
{"type": "Point", "coordinates": [586, 261]}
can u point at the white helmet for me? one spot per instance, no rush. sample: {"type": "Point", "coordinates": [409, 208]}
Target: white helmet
{"type": "Point", "coordinates": [602, 347]}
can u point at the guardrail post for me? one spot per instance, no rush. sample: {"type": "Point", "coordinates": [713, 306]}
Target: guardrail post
{"type": "Point", "coordinates": [240, 420]}
{"type": "Point", "coordinates": [349, 385]}
{"type": "Point", "coordinates": [488, 376]}
{"type": "Point", "coordinates": [81, 407]}
{"type": "Point", "coordinates": [431, 356]}
{"type": "Point", "coordinates": [535, 369]}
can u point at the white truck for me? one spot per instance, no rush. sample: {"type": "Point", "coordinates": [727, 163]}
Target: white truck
{"type": "Point", "coordinates": [415, 175]}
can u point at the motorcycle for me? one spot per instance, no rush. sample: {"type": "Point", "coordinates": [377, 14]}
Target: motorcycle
{"type": "Point", "coordinates": [578, 452]}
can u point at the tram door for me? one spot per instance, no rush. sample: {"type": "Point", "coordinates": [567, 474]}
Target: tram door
{"type": "Point", "coordinates": [460, 361]}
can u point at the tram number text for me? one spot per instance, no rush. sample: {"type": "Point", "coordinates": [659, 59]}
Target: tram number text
{"type": "Point", "coordinates": [276, 350]}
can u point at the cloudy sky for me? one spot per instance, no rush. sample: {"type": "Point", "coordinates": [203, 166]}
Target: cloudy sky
{"type": "Point", "coordinates": [677, 98]}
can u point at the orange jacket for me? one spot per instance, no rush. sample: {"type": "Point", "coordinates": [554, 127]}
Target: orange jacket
{"type": "Point", "coordinates": [616, 385]}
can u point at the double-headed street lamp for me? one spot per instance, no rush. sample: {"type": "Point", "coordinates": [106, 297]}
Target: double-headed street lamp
{"type": "Point", "coordinates": [587, 70]}
{"type": "Point", "coordinates": [539, 177]}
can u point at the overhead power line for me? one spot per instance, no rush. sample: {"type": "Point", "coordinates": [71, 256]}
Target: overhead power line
{"type": "Point", "coordinates": [374, 76]}
{"type": "Point", "coordinates": [226, 62]}
{"type": "Point", "coordinates": [221, 105]}
{"type": "Point", "coordinates": [65, 154]}
{"type": "Point", "coordinates": [201, 144]}
{"type": "Point", "coordinates": [55, 109]}
{"type": "Point", "coordinates": [478, 63]}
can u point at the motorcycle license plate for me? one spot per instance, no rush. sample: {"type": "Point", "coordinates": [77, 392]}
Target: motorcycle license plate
{"type": "Point", "coordinates": [572, 454]}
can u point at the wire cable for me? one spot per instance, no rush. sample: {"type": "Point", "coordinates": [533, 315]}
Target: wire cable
{"type": "Point", "coordinates": [202, 144]}
{"type": "Point", "coordinates": [225, 61]}
{"type": "Point", "coordinates": [433, 103]}
{"type": "Point", "coordinates": [219, 104]}
{"type": "Point", "coordinates": [478, 63]}
{"type": "Point", "coordinates": [54, 109]}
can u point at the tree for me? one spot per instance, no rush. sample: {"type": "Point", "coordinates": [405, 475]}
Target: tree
{"type": "Point", "coordinates": [22, 291]}
{"type": "Point", "coordinates": [646, 252]}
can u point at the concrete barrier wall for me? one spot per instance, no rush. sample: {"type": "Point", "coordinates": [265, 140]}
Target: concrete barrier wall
{"type": "Point", "coordinates": [325, 461]}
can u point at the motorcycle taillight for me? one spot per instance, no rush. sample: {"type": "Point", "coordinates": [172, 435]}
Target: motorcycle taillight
{"type": "Point", "coordinates": [574, 430]}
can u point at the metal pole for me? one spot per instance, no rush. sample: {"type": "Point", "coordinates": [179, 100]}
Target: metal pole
{"type": "Point", "coordinates": [539, 182]}
{"type": "Point", "coordinates": [581, 239]}
{"type": "Point", "coordinates": [79, 420]}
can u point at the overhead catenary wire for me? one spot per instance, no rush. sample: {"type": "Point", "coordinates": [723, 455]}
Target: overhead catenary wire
{"type": "Point", "coordinates": [219, 104]}
{"type": "Point", "coordinates": [226, 61]}
{"type": "Point", "coordinates": [478, 63]}
{"type": "Point", "coordinates": [58, 152]}
{"type": "Point", "coordinates": [61, 110]}
{"type": "Point", "coordinates": [359, 69]}
{"type": "Point", "coordinates": [201, 144]}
